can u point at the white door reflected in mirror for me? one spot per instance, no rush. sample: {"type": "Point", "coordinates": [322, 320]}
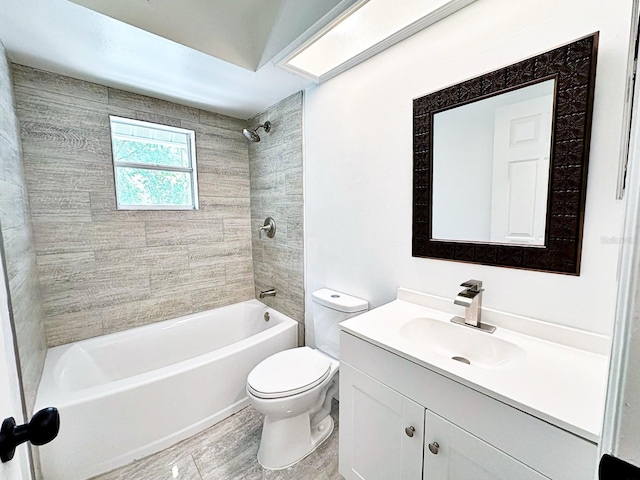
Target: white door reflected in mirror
{"type": "Point", "coordinates": [491, 163]}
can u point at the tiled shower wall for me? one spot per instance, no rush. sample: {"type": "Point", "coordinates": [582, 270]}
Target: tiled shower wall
{"type": "Point", "coordinates": [104, 270]}
{"type": "Point", "coordinates": [276, 191]}
{"type": "Point", "coordinates": [19, 252]}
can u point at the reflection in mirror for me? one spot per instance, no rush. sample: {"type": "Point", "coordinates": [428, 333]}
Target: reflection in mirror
{"type": "Point", "coordinates": [491, 168]}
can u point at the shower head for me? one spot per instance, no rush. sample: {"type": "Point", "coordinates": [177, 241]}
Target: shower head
{"type": "Point", "coordinates": [253, 134]}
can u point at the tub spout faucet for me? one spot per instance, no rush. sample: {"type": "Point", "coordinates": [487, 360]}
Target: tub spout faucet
{"type": "Point", "coordinates": [268, 293]}
{"type": "Point", "coordinates": [471, 299]}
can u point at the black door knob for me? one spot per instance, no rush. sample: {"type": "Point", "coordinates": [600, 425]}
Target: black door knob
{"type": "Point", "coordinates": [42, 428]}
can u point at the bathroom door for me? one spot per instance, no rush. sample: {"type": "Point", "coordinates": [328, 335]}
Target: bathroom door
{"type": "Point", "coordinates": [521, 153]}
{"type": "Point", "coordinates": [10, 394]}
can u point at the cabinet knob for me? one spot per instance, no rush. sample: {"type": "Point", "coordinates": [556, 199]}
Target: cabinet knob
{"type": "Point", "coordinates": [409, 431]}
{"type": "Point", "coordinates": [433, 448]}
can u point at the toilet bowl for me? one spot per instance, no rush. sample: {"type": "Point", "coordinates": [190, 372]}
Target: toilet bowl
{"type": "Point", "coordinates": [294, 388]}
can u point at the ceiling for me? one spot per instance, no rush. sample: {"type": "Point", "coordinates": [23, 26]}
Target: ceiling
{"type": "Point", "coordinates": [211, 54]}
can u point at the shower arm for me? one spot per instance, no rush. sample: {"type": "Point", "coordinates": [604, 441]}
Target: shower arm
{"type": "Point", "coordinates": [266, 126]}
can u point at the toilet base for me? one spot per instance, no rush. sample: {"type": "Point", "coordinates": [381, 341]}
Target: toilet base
{"type": "Point", "coordinates": [286, 441]}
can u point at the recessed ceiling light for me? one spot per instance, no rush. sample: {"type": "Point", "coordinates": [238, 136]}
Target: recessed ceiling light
{"type": "Point", "coordinates": [359, 32]}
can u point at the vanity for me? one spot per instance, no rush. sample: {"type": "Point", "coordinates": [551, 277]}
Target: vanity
{"type": "Point", "coordinates": [499, 179]}
{"type": "Point", "coordinates": [523, 403]}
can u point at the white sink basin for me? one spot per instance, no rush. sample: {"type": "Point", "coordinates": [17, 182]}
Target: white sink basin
{"type": "Point", "coordinates": [519, 364]}
{"type": "Point", "coordinates": [460, 343]}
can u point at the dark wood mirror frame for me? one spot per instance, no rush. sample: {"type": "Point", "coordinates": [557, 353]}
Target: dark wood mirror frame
{"type": "Point", "coordinates": [573, 66]}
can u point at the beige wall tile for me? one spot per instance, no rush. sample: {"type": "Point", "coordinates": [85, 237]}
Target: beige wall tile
{"type": "Point", "coordinates": [124, 99]}
{"type": "Point", "coordinates": [71, 144]}
{"type": "Point", "coordinates": [216, 253]}
{"type": "Point", "coordinates": [60, 206]}
{"type": "Point", "coordinates": [157, 118]}
{"type": "Point", "coordinates": [135, 314]}
{"type": "Point", "coordinates": [180, 281]}
{"type": "Point", "coordinates": [225, 142]}
{"type": "Point", "coordinates": [105, 270]}
{"type": "Point", "coordinates": [17, 238]}
{"type": "Point", "coordinates": [35, 105]}
{"type": "Point", "coordinates": [223, 207]}
{"type": "Point", "coordinates": [276, 190]}
{"type": "Point", "coordinates": [238, 270]}
{"type": "Point", "coordinates": [237, 229]}
{"type": "Point", "coordinates": [72, 327]}
{"type": "Point", "coordinates": [14, 211]}
{"type": "Point", "coordinates": [183, 232]}
{"type": "Point", "coordinates": [18, 249]}
{"type": "Point", "coordinates": [11, 169]}
{"type": "Point", "coordinates": [219, 296]}
{"type": "Point", "coordinates": [144, 258]}
{"type": "Point", "coordinates": [86, 291]}
{"type": "Point", "coordinates": [222, 121]}
{"type": "Point", "coordinates": [57, 171]}
{"type": "Point", "coordinates": [52, 82]}
{"type": "Point", "coordinates": [70, 237]}
{"type": "Point", "coordinates": [9, 126]}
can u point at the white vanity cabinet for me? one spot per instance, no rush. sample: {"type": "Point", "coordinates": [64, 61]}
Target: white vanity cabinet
{"type": "Point", "coordinates": [392, 410]}
{"type": "Point", "coordinates": [385, 433]}
{"type": "Point", "coordinates": [452, 453]}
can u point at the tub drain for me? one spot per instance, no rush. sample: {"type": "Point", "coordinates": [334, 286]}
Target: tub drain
{"type": "Point", "coordinates": [461, 359]}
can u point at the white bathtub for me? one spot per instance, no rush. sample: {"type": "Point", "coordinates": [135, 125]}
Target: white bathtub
{"type": "Point", "coordinates": [133, 393]}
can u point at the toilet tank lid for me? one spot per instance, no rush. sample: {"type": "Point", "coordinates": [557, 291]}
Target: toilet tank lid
{"type": "Point", "coordinates": [339, 301]}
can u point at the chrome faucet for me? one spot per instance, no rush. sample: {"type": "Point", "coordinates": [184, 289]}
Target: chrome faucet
{"type": "Point", "coordinates": [471, 299]}
{"type": "Point", "coordinates": [268, 293]}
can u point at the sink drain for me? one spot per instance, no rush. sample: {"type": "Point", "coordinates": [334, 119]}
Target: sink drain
{"type": "Point", "coordinates": [461, 359]}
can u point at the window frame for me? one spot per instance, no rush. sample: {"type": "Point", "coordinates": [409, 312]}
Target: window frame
{"type": "Point", "coordinates": [192, 170]}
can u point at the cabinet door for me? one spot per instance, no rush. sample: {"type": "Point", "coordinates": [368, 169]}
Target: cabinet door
{"type": "Point", "coordinates": [373, 442]}
{"type": "Point", "coordinates": [462, 456]}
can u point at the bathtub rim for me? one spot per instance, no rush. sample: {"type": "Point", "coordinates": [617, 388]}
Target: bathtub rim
{"type": "Point", "coordinates": [49, 393]}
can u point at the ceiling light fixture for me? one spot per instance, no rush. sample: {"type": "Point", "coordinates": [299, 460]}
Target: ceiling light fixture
{"type": "Point", "coordinates": [359, 32]}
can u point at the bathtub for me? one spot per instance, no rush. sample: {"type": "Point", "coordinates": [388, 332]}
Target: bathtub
{"type": "Point", "coordinates": [130, 394]}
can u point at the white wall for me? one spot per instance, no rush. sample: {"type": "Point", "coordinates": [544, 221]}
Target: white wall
{"type": "Point", "coordinates": [463, 172]}
{"type": "Point", "coordinates": [358, 137]}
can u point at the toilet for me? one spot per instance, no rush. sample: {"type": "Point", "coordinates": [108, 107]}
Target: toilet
{"type": "Point", "coordinates": [294, 388]}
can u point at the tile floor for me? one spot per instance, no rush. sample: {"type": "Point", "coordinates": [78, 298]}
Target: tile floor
{"type": "Point", "coordinates": [227, 451]}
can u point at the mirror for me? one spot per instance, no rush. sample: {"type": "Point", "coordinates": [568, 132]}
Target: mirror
{"type": "Point", "coordinates": [496, 152]}
{"type": "Point", "coordinates": [500, 163]}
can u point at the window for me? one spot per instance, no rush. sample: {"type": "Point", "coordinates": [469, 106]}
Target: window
{"type": "Point", "coordinates": [154, 166]}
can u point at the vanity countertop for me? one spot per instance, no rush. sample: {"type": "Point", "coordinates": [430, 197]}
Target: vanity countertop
{"type": "Point", "coordinates": [560, 380]}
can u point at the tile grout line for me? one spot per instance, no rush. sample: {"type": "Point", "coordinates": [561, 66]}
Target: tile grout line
{"type": "Point", "coordinates": [196, 465]}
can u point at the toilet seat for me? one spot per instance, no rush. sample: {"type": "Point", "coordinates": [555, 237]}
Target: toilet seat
{"type": "Point", "coordinates": [288, 373]}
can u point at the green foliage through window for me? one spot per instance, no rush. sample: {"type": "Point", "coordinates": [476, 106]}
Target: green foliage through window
{"type": "Point", "coordinates": [137, 186]}
{"type": "Point", "coordinates": [150, 153]}
{"type": "Point", "coordinates": [154, 165]}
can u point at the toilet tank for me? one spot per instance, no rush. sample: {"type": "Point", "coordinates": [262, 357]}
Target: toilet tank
{"type": "Point", "coordinates": [329, 308]}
